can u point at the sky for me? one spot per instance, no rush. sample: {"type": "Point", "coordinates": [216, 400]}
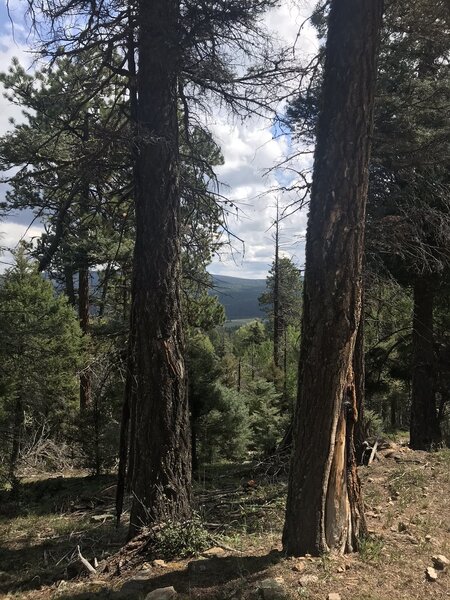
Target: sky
{"type": "Point", "coordinates": [250, 148]}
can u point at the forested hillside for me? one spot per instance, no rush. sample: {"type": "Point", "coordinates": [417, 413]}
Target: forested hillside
{"type": "Point", "coordinates": [239, 297]}
{"type": "Point", "coordinates": [171, 434]}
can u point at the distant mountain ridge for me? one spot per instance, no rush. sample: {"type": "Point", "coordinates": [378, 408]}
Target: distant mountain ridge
{"type": "Point", "coordinates": [239, 296]}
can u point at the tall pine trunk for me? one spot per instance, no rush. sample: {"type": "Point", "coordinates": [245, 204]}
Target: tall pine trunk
{"type": "Point", "coordinates": [162, 456]}
{"type": "Point", "coordinates": [83, 315]}
{"type": "Point", "coordinates": [276, 296]}
{"type": "Point", "coordinates": [127, 426]}
{"type": "Point", "coordinates": [83, 289]}
{"type": "Point", "coordinates": [424, 426]}
{"type": "Point", "coordinates": [324, 507]}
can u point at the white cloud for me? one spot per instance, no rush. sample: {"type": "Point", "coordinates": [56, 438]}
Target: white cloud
{"type": "Point", "coordinates": [11, 234]}
{"type": "Point", "coordinates": [14, 43]}
{"type": "Point", "coordinates": [15, 40]}
{"type": "Point", "coordinates": [249, 151]}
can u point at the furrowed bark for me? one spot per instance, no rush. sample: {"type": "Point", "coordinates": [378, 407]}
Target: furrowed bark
{"type": "Point", "coordinates": [324, 507]}
{"type": "Point", "coordinates": [162, 456]}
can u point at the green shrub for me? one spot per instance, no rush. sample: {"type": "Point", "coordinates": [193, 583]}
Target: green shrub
{"type": "Point", "coordinates": [265, 418]}
{"type": "Point", "coordinates": [372, 424]}
{"type": "Point", "coordinates": [181, 539]}
{"type": "Point", "coordinates": [224, 430]}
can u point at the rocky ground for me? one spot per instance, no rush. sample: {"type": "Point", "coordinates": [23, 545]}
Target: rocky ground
{"type": "Point", "coordinates": [236, 540]}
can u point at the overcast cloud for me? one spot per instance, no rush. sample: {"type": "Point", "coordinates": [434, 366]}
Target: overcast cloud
{"type": "Point", "coordinates": [248, 147]}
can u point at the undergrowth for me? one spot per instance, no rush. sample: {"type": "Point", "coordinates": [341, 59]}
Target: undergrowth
{"type": "Point", "coordinates": [181, 539]}
{"type": "Point", "coordinates": [370, 549]}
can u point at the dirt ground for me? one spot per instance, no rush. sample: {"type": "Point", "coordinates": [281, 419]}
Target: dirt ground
{"type": "Point", "coordinates": [407, 496]}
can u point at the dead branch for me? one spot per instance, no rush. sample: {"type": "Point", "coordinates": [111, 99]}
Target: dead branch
{"type": "Point", "coordinates": [85, 562]}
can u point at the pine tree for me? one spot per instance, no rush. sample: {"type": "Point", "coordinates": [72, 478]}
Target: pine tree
{"type": "Point", "coordinates": [187, 53]}
{"type": "Point", "coordinates": [285, 285]}
{"type": "Point", "coordinates": [40, 349]}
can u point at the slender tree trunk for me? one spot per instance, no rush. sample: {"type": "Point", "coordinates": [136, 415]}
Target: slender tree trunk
{"type": "Point", "coordinates": [126, 453]}
{"type": "Point", "coordinates": [127, 426]}
{"type": "Point", "coordinates": [194, 418]}
{"type": "Point", "coordinates": [239, 374]}
{"type": "Point", "coordinates": [83, 290]}
{"type": "Point", "coordinates": [285, 367]}
{"type": "Point", "coordinates": [83, 314]}
{"type": "Point", "coordinates": [252, 362]}
{"type": "Point", "coordinates": [424, 426]}
{"type": "Point", "coordinates": [161, 483]}
{"type": "Point", "coordinates": [131, 395]}
{"type": "Point", "coordinates": [105, 288]}
{"type": "Point", "coordinates": [19, 419]}
{"type": "Point", "coordinates": [393, 412]}
{"type": "Point", "coordinates": [68, 284]}
{"type": "Point", "coordinates": [324, 506]}
{"type": "Point", "coordinates": [276, 296]}
{"type": "Point", "coordinates": [97, 449]}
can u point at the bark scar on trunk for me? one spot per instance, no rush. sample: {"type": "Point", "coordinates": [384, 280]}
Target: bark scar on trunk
{"type": "Point", "coordinates": [337, 522]}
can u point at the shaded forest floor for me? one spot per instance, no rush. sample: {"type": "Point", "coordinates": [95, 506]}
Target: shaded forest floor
{"type": "Point", "coordinates": [407, 497]}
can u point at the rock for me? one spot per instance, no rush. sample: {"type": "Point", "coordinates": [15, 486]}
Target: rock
{"type": "Point", "coordinates": [307, 580]}
{"type": "Point", "coordinates": [139, 584]}
{"type": "Point", "coordinates": [334, 596]}
{"type": "Point", "coordinates": [97, 582]}
{"type": "Point", "coordinates": [412, 539]}
{"type": "Point", "coordinates": [161, 564]}
{"type": "Point", "coordinates": [214, 552]}
{"type": "Point", "coordinates": [389, 452]}
{"type": "Point", "coordinates": [74, 569]}
{"type": "Point", "coordinates": [196, 567]}
{"type": "Point", "coordinates": [341, 569]}
{"type": "Point", "coordinates": [272, 589]}
{"type": "Point", "coordinates": [392, 454]}
{"type": "Point", "coordinates": [101, 518]}
{"type": "Point", "coordinates": [440, 562]}
{"type": "Point", "coordinates": [431, 574]}
{"type": "Point", "coordinates": [387, 445]}
{"type": "Point", "coordinates": [428, 538]}
{"type": "Point", "coordinates": [167, 593]}
{"type": "Point", "coordinates": [103, 566]}
{"type": "Point", "coordinates": [299, 567]}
